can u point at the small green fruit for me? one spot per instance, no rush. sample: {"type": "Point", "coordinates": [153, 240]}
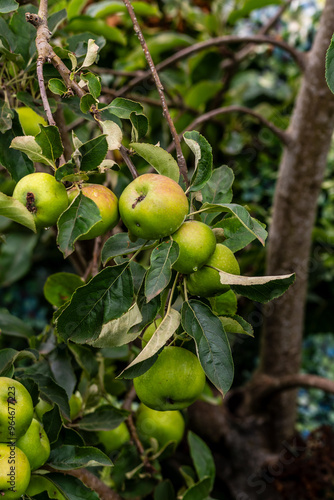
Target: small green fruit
{"type": "Point", "coordinates": [164, 426]}
{"type": "Point", "coordinates": [206, 281]}
{"type": "Point", "coordinates": [196, 242]}
{"type": "Point", "coordinates": [174, 382]}
{"type": "Point", "coordinates": [39, 483]}
{"type": "Point", "coordinates": [106, 202]}
{"type": "Point", "coordinates": [153, 206]}
{"type": "Point", "coordinates": [43, 196]}
{"type": "Point", "coordinates": [75, 403]}
{"type": "Point", "coordinates": [16, 409]}
{"type": "Point", "coordinates": [14, 471]}
{"type": "Point", "coordinates": [41, 408]}
{"type": "Point", "coordinates": [35, 444]}
{"type": "Point", "coordinates": [114, 438]}
{"type": "Point", "coordinates": [30, 120]}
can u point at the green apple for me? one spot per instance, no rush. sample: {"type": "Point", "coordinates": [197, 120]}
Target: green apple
{"type": "Point", "coordinates": [43, 196]}
{"type": "Point", "coordinates": [30, 120]}
{"type": "Point", "coordinates": [153, 206]}
{"type": "Point", "coordinates": [41, 408]}
{"type": "Point", "coordinates": [164, 426]}
{"type": "Point", "coordinates": [35, 444]}
{"type": "Point", "coordinates": [106, 202]}
{"type": "Point", "coordinates": [75, 403]}
{"type": "Point", "coordinates": [16, 409]}
{"type": "Point", "coordinates": [174, 382]}
{"type": "Point", "coordinates": [14, 471]}
{"type": "Point", "coordinates": [197, 243]}
{"type": "Point", "coordinates": [149, 331]}
{"type": "Point", "coordinates": [39, 483]}
{"type": "Point", "coordinates": [205, 282]}
{"type": "Point", "coordinates": [114, 438]}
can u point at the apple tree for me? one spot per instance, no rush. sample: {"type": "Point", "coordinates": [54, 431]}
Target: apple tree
{"type": "Point", "coordinates": [148, 310]}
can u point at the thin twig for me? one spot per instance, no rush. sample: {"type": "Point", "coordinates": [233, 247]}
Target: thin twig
{"type": "Point", "coordinates": [300, 57]}
{"type": "Point", "coordinates": [180, 158]}
{"type": "Point", "coordinates": [281, 134]}
{"type": "Point", "coordinates": [128, 161]}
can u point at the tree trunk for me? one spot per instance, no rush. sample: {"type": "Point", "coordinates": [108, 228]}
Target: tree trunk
{"type": "Point", "coordinates": [295, 203]}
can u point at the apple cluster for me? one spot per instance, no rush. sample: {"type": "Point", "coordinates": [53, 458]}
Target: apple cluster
{"type": "Point", "coordinates": [24, 444]}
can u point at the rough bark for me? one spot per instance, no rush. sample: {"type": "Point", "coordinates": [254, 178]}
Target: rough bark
{"type": "Point", "coordinates": [295, 202]}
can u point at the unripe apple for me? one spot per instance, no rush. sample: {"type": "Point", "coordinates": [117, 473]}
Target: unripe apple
{"type": "Point", "coordinates": [114, 438]}
{"type": "Point", "coordinates": [153, 206]}
{"type": "Point", "coordinates": [35, 444]}
{"type": "Point", "coordinates": [106, 202]}
{"type": "Point", "coordinates": [16, 409]}
{"type": "Point", "coordinates": [150, 331]}
{"type": "Point", "coordinates": [174, 382]}
{"type": "Point", "coordinates": [30, 120]}
{"type": "Point", "coordinates": [164, 426]}
{"type": "Point", "coordinates": [14, 471]}
{"type": "Point", "coordinates": [196, 242]}
{"type": "Point", "coordinates": [43, 196]}
{"type": "Point", "coordinates": [206, 281]}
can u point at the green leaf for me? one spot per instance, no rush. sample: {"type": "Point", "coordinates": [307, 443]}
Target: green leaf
{"type": "Point", "coordinates": [85, 358]}
{"type": "Point", "coordinates": [199, 491]}
{"type": "Point", "coordinates": [202, 458]}
{"type": "Point", "coordinates": [104, 418]}
{"type": "Point", "coordinates": [7, 6]}
{"type": "Point", "coordinates": [119, 244]}
{"type": "Point", "coordinates": [218, 190]}
{"type": "Point", "coordinates": [72, 488]}
{"type": "Point", "coordinates": [57, 86]}
{"type": "Point", "coordinates": [13, 264]}
{"type": "Point", "coordinates": [225, 304]}
{"type": "Point", "coordinates": [203, 159]}
{"type": "Point", "coordinates": [164, 491]}
{"type": "Point", "coordinates": [93, 153]}
{"type": "Point", "coordinates": [16, 211]}
{"type": "Point", "coordinates": [77, 220]}
{"type": "Point", "coordinates": [28, 145]}
{"type": "Point", "coordinates": [9, 356]}
{"type": "Point", "coordinates": [50, 390]}
{"type": "Point", "coordinates": [113, 133]}
{"type": "Point", "coordinates": [122, 108]}
{"type": "Point", "coordinates": [50, 142]}
{"type": "Point", "coordinates": [110, 7]}
{"type": "Point", "coordinates": [248, 7]}
{"type": "Point", "coordinates": [164, 332]}
{"type": "Point", "coordinates": [107, 296]}
{"type": "Point", "coordinates": [52, 423]}
{"type": "Point", "coordinates": [240, 213]}
{"type": "Point", "coordinates": [116, 332]}
{"type": "Point", "coordinates": [10, 56]}
{"type": "Point", "coordinates": [75, 7]}
{"type": "Point", "coordinates": [160, 271]}
{"type": "Point", "coordinates": [139, 124]}
{"type": "Point", "coordinates": [13, 326]}
{"type": "Point", "coordinates": [86, 102]}
{"type": "Point", "coordinates": [17, 163]}
{"type": "Point", "coordinates": [236, 234]}
{"type": "Point", "coordinates": [330, 65]}
{"type": "Point", "coordinates": [65, 170]}
{"type": "Point", "coordinates": [94, 84]}
{"type": "Point", "coordinates": [211, 343]}
{"type": "Point", "coordinates": [148, 310]}
{"type": "Point", "coordinates": [6, 114]}
{"type": "Point", "coordinates": [258, 288]}
{"type": "Point", "coordinates": [56, 19]}
{"type": "Point", "coordinates": [69, 457]}
{"type": "Point", "coordinates": [237, 325]}
{"type": "Point", "coordinates": [92, 51]}
{"type": "Point", "coordinates": [160, 160]}
{"type": "Point", "coordinates": [59, 287]}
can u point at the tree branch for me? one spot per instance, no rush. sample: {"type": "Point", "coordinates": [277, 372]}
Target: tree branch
{"type": "Point", "coordinates": [128, 161]}
{"type": "Point", "coordinates": [94, 483]}
{"type": "Point", "coordinates": [287, 382]}
{"type": "Point", "coordinates": [180, 158]}
{"type": "Point", "coordinates": [300, 57]}
{"type": "Point", "coordinates": [281, 134]}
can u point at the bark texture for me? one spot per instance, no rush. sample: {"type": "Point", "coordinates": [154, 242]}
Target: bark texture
{"type": "Point", "coordinates": [295, 203]}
